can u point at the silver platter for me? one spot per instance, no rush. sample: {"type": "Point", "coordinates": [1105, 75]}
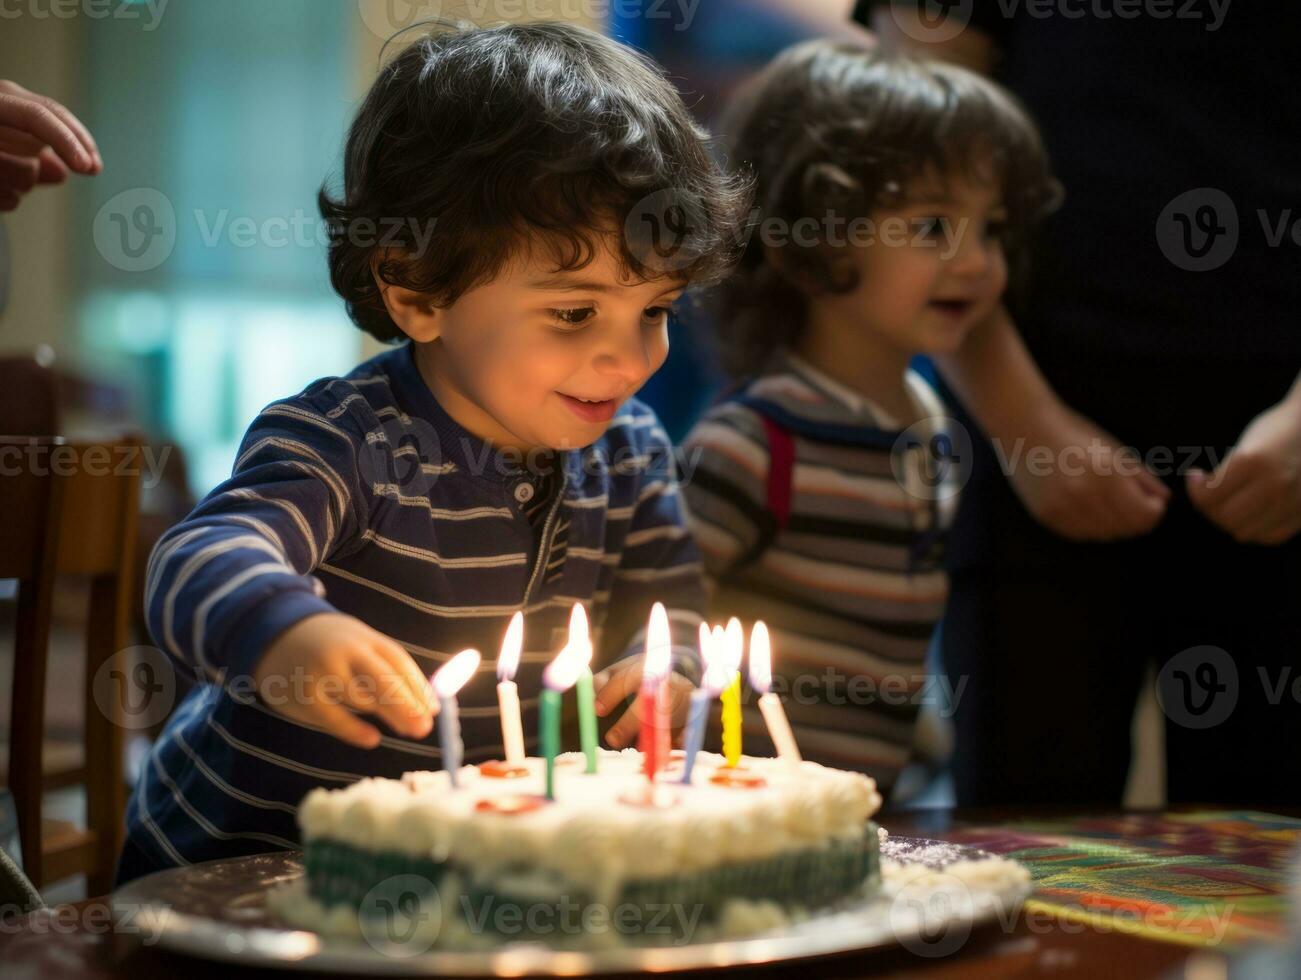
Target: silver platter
{"type": "Point", "coordinates": [217, 910]}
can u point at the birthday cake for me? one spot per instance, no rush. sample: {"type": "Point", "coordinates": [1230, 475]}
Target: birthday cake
{"type": "Point", "coordinates": [724, 856]}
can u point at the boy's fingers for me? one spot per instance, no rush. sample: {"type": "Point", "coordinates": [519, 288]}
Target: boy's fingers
{"type": "Point", "coordinates": [623, 731]}
{"type": "Point", "coordinates": [377, 687]}
{"type": "Point", "coordinates": [344, 725]}
{"type": "Point", "coordinates": [424, 701]}
{"type": "Point", "coordinates": [615, 684]}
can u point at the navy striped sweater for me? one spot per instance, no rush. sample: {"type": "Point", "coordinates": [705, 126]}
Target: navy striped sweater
{"type": "Point", "coordinates": [362, 495]}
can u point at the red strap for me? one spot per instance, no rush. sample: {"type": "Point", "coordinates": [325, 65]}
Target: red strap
{"type": "Point", "coordinates": [781, 469]}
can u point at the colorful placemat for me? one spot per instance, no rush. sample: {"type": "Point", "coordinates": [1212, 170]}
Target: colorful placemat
{"type": "Point", "coordinates": [1208, 878]}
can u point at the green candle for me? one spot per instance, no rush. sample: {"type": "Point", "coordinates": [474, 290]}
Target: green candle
{"type": "Point", "coordinates": [549, 735]}
{"type": "Point", "coordinates": [587, 717]}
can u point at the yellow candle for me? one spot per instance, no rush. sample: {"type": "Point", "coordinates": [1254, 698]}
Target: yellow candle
{"type": "Point", "coordinates": [731, 642]}
{"type": "Point", "coordinates": [731, 698]}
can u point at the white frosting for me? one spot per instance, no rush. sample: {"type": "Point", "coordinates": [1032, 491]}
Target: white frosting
{"type": "Point", "coordinates": [590, 837]}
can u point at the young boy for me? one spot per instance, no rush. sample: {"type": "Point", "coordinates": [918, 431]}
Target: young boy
{"type": "Point", "coordinates": [495, 461]}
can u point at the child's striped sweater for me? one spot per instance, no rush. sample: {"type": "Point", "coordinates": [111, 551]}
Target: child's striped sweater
{"type": "Point", "coordinates": [361, 495]}
{"type": "Point", "coordinates": [850, 584]}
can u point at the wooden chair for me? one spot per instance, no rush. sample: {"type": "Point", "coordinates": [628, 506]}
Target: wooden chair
{"type": "Point", "coordinates": [77, 519]}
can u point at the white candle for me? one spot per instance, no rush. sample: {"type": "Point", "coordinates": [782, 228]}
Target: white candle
{"type": "Point", "coordinates": [774, 716]}
{"type": "Point", "coordinates": [512, 729]}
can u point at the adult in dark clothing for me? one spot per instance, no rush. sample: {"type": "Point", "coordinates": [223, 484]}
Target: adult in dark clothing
{"type": "Point", "coordinates": [1162, 308]}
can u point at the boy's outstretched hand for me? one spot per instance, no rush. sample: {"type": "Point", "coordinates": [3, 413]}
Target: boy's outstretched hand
{"type": "Point", "coordinates": [325, 664]}
{"type": "Point", "coordinates": [615, 683]}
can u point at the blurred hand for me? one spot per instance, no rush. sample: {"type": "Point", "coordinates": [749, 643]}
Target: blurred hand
{"type": "Point", "coordinates": [1096, 490]}
{"type": "Point", "coordinates": [39, 141]}
{"type": "Point", "coordinates": [325, 664]}
{"type": "Point", "coordinates": [1255, 492]}
{"type": "Point", "coordinates": [615, 683]}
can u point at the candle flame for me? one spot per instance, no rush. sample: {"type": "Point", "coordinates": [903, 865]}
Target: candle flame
{"type": "Point", "coordinates": [578, 631]}
{"type": "Point", "coordinates": [760, 658]}
{"type": "Point", "coordinates": [733, 645]}
{"type": "Point", "coordinates": [659, 643]}
{"type": "Point", "coordinates": [717, 674]}
{"type": "Point", "coordinates": [563, 672]}
{"type": "Point", "coordinates": [511, 645]}
{"type": "Point", "coordinates": [451, 677]}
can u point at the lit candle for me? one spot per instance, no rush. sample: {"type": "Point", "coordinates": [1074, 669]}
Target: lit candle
{"type": "Point", "coordinates": [447, 680]}
{"type": "Point", "coordinates": [774, 715]}
{"type": "Point", "coordinates": [560, 676]}
{"type": "Point", "coordinates": [733, 641]}
{"type": "Point", "coordinates": [512, 730]}
{"type": "Point", "coordinates": [712, 681]}
{"type": "Point", "coordinates": [579, 636]}
{"type": "Point", "coordinates": [652, 699]}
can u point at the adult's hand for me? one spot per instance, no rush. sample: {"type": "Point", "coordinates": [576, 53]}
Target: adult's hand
{"type": "Point", "coordinates": [40, 140]}
{"type": "Point", "coordinates": [1086, 487]}
{"type": "Point", "coordinates": [1255, 492]}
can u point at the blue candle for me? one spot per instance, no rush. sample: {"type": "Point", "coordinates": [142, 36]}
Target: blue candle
{"type": "Point", "coordinates": [447, 680]}
{"type": "Point", "coordinates": [711, 682]}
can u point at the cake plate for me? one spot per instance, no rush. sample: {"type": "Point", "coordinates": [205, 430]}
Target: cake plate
{"type": "Point", "coordinates": [933, 894]}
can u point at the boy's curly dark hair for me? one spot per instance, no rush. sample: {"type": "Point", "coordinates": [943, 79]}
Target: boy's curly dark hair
{"type": "Point", "coordinates": [504, 140]}
{"type": "Point", "coordinates": [832, 128]}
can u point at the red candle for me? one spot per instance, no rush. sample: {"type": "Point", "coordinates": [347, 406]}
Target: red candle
{"type": "Point", "coordinates": [652, 698]}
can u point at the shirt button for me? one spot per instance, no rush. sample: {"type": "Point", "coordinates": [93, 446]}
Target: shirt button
{"type": "Point", "coordinates": [524, 492]}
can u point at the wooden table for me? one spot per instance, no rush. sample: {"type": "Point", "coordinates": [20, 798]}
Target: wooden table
{"type": "Point", "coordinates": [79, 943]}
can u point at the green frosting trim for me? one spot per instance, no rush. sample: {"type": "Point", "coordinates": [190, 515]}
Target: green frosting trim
{"type": "Point", "coordinates": [340, 874]}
